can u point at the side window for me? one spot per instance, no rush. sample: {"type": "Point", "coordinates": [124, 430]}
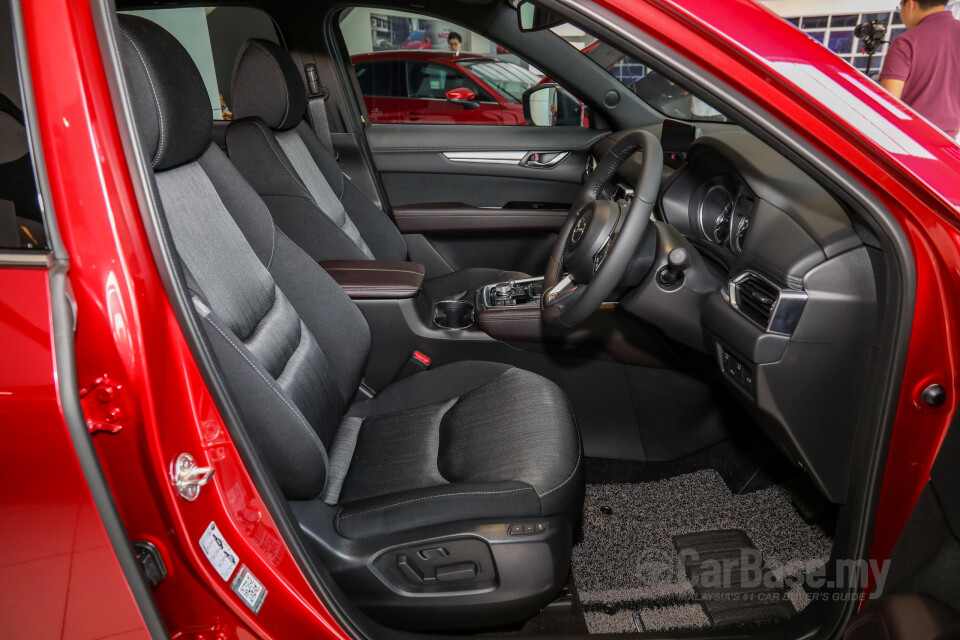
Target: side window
{"type": "Point", "coordinates": [21, 219]}
{"type": "Point", "coordinates": [213, 37]}
{"type": "Point", "coordinates": [397, 54]}
{"type": "Point", "coordinates": [430, 80]}
{"type": "Point", "coordinates": [381, 79]}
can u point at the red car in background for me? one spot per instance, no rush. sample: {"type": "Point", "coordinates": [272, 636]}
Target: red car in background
{"type": "Point", "coordinates": [417, 40]}
{"type": "Point", "coordinates": [439, 87]}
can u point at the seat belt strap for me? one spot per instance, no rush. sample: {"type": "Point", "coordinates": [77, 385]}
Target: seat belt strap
{"type": "Point", "coordinates": [317, 106]}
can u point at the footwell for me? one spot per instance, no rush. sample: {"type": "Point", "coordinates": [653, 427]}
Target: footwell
{"type": "Point", "coordinates": [686, 553]}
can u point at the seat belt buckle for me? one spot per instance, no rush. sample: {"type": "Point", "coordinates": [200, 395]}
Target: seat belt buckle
{"type": "Point", "coordinates": [418, 362]}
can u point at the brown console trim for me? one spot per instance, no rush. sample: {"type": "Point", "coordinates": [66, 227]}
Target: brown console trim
{"type": "Point", "coordinates": [368, 279]}
{"type": "Point", "coordinates": [459, 217]}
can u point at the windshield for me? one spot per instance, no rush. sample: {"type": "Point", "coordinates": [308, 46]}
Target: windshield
{"type": "Point", "coordinates": [508, 79]}
{"type": "Point", "coordinates": [659, 92]}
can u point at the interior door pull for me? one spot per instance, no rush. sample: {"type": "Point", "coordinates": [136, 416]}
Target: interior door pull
{"type": "Point", "coordinates": [539, 160]}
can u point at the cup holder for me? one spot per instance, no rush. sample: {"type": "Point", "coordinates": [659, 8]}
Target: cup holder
{"type": "Point", "coordinates": [453, 314]}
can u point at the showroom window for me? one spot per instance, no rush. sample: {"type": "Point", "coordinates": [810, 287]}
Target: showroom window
{"type": "Point", "coordinates": [213, 37]}
{"type": "Point", "coordinates": [408, 72]}
{"type": "Point", "coordinates": [836, 33]}
{"type": "Point", "coordinates": [21, 210]}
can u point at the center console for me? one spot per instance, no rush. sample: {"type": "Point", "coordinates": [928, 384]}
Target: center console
{"type": "Point", "coordinates": [512, 294]}
{"type": "Point", "coordinates": [511, 310]}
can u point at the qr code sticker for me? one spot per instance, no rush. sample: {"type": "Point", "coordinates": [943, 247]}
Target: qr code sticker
{"type": "Point", "coordinates": [249, 589]}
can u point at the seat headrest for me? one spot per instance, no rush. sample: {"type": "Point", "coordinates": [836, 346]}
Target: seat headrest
{"type": "Point", "coordinates": [170, 101]}
{"type": "Point", "coordinates": [267, 84]}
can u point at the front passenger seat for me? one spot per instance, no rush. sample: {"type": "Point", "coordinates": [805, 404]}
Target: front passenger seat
{"type": "Point", "coordinates": [447, 500]}
{"type": "Point", "coordinates": [311, 199]}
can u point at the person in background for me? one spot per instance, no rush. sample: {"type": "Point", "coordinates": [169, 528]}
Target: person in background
{"type": "Point", "coordinates": [922, 66]}
{"type": "Point", "coordinates": [454, 41]}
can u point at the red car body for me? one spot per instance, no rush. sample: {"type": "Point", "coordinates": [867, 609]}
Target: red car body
{"type": "Point", "coordinates": [488, 105]}
{"type": "Point", "coordinates": [60, 575]}
{"type": "Point", "coordinates": [423, 42]}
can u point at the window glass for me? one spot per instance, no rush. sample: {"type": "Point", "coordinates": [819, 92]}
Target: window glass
{"type": "Point", "coordinates": [836, 33]}
{"type": "Point", "coordinates": [841, 41]}
{"type": "Point", "coordinates": [432, 81]}
{"type": "Point", "coordinates": [383, 79]}
{"type": "Point", "coordinates": [844, 21]}
{"type": "Point", "coordinates": [509, 79]}
{"type": "Point", "coordinates": [406, 64]}
{"type": "Point", "coordinates": [21, 213]}
{"type": "Point", "coordinates": [213, 37]}
{"type": "Point", "coordinates": [814, 22]}
{"type": "Point", "coordinates": [659, 92]}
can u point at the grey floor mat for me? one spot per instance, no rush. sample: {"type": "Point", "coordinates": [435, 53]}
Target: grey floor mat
{"type": "Point", "coordinates": [629, 573]}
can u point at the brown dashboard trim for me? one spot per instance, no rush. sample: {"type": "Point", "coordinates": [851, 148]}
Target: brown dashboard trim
{"type": "Point", "coordinates": [460, 217]}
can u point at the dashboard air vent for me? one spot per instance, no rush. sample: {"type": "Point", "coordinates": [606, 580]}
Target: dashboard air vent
{"type": "Point", "coordinates": [755, 298]}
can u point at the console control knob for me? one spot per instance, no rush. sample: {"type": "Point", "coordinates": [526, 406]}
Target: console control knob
{"type": "Point", "coordinates": [671, 276]}
{"type": "Point", "coordinates": [678, 259]}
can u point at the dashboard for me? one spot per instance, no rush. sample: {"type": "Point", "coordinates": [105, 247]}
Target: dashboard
{"type": "Point", "coordinates": [780, 294]}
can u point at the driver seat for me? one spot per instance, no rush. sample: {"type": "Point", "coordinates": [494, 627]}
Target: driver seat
{"type": "Point", "coordinates": [300, 180]}
{"type": "Point", "coordinates": [447, 500]}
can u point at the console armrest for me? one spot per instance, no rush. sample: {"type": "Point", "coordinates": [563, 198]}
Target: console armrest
{"type": "Point", "coordinates": [366, 279]}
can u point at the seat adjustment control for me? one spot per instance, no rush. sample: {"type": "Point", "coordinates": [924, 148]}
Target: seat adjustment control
{"type": "Point", "coordinates": [433, 554]}
{"type": "Point", "coordinates": [409, 570]}
{"type": "Point", "coordinates": [455, 572]}
{"type": "Point", "coordinates": [529, 528]}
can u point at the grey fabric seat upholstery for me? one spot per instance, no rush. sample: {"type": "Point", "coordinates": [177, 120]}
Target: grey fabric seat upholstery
{"type": "Point", "coordinates": [300, 180]}
{"type": "Point", "coordinates": [468, 441]}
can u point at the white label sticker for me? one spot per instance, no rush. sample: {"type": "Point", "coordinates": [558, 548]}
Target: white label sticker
{"type": "Point", "coordinates": [218, 552]}
{"type": "Point", "coordinates": [249, 589]}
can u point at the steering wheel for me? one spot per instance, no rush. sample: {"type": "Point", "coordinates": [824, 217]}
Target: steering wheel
{"type": "Point", "coordinates": [600, 237]}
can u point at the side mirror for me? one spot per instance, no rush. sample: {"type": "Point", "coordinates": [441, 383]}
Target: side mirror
{"type": "Point", "coordinates": [549, 105]}
{"type": "Point", "coordinates": [534, 18]}
{"type": "Point", "coordinates": [462, 96]}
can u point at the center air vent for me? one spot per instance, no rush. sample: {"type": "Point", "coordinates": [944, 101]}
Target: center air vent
{"type": "Point", "coordinates": [770, 307]}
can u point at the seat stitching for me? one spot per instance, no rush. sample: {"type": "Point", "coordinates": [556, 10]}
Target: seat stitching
{"type": "Point", "coordinates": [569, 478]}
{"type": "Point", "coordinates": [156, 97]}
{"type": "Point", "coordinates": [273, 244]}
{"type": "Point", "coordinates": [446, 495]}
{"type": "Point", "coordinates": [283, 78]}
{"type": "Point", "coordinates": [313, 434]}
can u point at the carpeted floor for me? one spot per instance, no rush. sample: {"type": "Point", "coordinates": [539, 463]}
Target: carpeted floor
{"type": "Point", "coordinates": [630, 574]}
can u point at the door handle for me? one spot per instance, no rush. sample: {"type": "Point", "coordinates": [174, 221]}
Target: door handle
{"type": "Point", "coordinates": [537, 160]}
{"type": "Point", "coordinates": [415, 115]}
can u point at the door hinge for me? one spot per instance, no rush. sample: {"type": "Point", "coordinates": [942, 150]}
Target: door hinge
{"type": "Point", "coordinates": [105, 405]}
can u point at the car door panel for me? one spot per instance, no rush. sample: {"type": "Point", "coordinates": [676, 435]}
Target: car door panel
{"type": "Point", "coordinates": [458, 217]}
{"type": "Point", "coordinates": [467, 190]}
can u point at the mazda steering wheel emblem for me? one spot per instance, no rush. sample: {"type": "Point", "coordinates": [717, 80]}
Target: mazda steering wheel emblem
{"type": "Point", "coordinates": [578, 230]}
